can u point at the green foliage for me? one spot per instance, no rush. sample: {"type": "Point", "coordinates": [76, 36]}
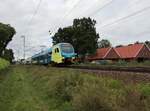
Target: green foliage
{"type": "Point", "coordinates": [8, 55]}
{"type": "Point", "coordinates": [134, 62]}
{"type": "Point", "coordinates": [55, 89]}
{"type": "Point", "coordinates": [63, 86]}
{"type": "Point", "coordinates": [145, 89]}
{"type": "Point", "coordinates": [104, 43]}
{"type": "Point", "coordinates": [6, 34]}
{"type": "Point", "coordinates": [121, 63]}
{"type": "Point", "coordinates": [131, 100]}
{"type": "Point", "coordinates": [138, 64]}
{"type": "Point", "coordinates": [91, 98]}
{"type": "Point", "coordinates": [147, 43]}
{"type": "Point", "coordinates": [146, 63]}
{"type": "Point", "coordinates": [3, 64]}
{"type": "Point", "coordinates": [115, 84]}
{"type": "Point", "coordinates": [82, 35]}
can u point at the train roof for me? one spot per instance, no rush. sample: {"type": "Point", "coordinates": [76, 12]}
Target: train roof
{"type": "Point", "coordinates": [61, 44]}
{"type": "Point", "coordinates": [42, 53]}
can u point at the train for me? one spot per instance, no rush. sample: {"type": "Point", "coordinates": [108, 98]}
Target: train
{"type": "Point", "coordinates": [61, 53]}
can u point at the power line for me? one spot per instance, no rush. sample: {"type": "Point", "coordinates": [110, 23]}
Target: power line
{"type": "Point", "coordinates": [100, 9]}
{"type": "Point", "coordinates": [33, 15]}
{"type": "Point", "coordinates": [24, 50]}
{"type": "Point", "coordinates": [67, 13]}
{"type": "Point", "coordinates": [35, 12]}
{"type": "Point", "coordinates": [28, 24]}
{"type": "Point", "coordinates": [126, 17]}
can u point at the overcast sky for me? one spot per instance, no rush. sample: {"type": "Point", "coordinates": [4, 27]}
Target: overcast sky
{"type": "Point", "coordinates": [120, 21]}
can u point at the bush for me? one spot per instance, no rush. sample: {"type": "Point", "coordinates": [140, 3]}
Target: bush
{"type": "Point", "coordinates": [71, 90]}
{"type": "Point", "coordinates": [121, 63]}
{"type": "Point", "coordinates": [115, 84]}
{"type": "Point", "coordinates": [146, 63]}
{"type": "Point", "coordinates": [133, 100]}
{"type": "Point", "coordinates": [145, 89]}
{"type": "Point", "coordinates": [91, 98]}
{"type": "Point", "coordinates": [62, 86]}
{"type": "Point", "coordinates": [133, 63]}
{"type": "Point", "coordinates": [3, 64]}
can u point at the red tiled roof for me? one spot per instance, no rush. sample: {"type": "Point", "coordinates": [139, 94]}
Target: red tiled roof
{"type": "Point", "coordinates": [100, 53]}
{"type": "Point", "coordinates": [129, 51]}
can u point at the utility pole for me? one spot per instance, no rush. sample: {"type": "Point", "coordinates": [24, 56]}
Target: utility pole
{"type": "Point", "coordinates": [18, 53]}
{"type": "Point", "coordinates": [24, 42]}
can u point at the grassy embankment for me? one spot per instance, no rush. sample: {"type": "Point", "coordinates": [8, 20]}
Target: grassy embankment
{"type": "Point", "coordinates": [52, 89]}
{"type": "Point", "coordinates": [3, 64]}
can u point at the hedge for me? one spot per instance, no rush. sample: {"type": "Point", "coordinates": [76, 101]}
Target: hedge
{"type": "Point", "coordinates": [3, 64]}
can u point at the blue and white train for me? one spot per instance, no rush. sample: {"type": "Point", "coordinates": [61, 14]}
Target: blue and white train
{"type": "Point", "coordinates": [61, 53]}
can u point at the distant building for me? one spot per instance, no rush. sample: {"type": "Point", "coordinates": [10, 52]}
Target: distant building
{"type": "Point", "coordinates": [100, 54]}
{"type": "Point", "coordinates": [130, 52]}
{"type": "Point", "coordinates": [135, 51]}
{"type": "Point", "coordinates": [112, 55]}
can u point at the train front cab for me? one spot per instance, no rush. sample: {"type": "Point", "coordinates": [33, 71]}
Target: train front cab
{"type": "Point", "coordinates": [56, 55]}
{"type": "Point", "coordinates": [63, 53]}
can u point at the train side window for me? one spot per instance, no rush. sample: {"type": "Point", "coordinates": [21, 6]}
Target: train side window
{"type": "Point", "coordinates": [50, 54]}
{"type": "Point", "coordinates": [57, 50]}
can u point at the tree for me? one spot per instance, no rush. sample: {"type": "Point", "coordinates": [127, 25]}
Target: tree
{"type": "Point", "coordinates": [104, 43]}
{"type": "Point", "coordinates": [147, 43]}
{"type": "Point", "coordinates": [64, 35]}
{"type": "Point", "coordinates": [137, 42]}
{"type": "Point", "coordinates": [82, 35]}
{"type": "Point", "coordinates": [119, 46]}
{"type": "Point", "coordinates": [6, 34]}
{"type": "Point", "coordinates": [8, 55]}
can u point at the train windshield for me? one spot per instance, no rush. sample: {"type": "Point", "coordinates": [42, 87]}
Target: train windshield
{"type": "Point", "coordinates": [67, 48]}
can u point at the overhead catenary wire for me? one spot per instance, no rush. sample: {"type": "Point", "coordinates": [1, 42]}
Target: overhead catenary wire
{"type": "Point", "coordinates": [100, 9]}
{"type": "Point", "coordinates": [66, 14]}
{"type": "Point", "coordinates": [70, 11]}
{"type": "Point", "coordinates": [30, 22]}
{"type": "Point", "coordinates": [35, 12]}
{"type": "Point", "coordinates": [32, 17]}
{"type": "Point", "coordinates": [92, 14]}
{"type": "Point", "coordinates": [126, 17]}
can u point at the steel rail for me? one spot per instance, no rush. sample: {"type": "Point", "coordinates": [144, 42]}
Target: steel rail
{"type": "Point", "coordinates": [109, 68]}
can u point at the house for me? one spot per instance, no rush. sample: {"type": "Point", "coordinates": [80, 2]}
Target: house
{"type": "Point", "coordinates": [112, 55]}
{"type": "Point", "coordinates": [133, 52]}
{"type": "Point", "coordinates": [100, 54]}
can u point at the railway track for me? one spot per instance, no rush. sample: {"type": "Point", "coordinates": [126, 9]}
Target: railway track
{"type": "Point", "coordinates": [126, 74]}
{"type": "Point", "coordinates": [120, 69]}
